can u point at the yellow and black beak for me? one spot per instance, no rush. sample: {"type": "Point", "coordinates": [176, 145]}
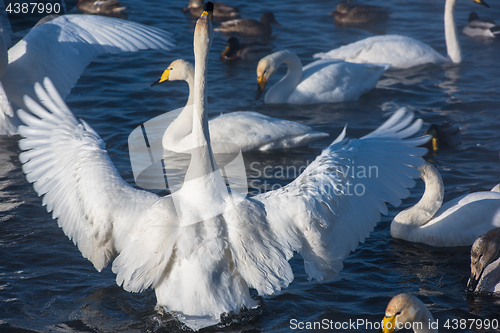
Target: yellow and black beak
{"type": "Point", "coordinates": [208, 10]}
{"type": "Point", "coordinates": [481, 2]}
{"type": "Point", "coordinates": [261, 84]}
{"type": "Point", "coordinates": [388, 324]}
{"type": "Point", "coordinates": [163, 77]}
{"type": "Point", "coordinates": [475, 276]}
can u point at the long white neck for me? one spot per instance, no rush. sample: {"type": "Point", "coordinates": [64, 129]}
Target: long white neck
{"type": "Point", "coordinates": [177, 136]}
{"type": "Point", "coordinates": [280, 92]}
{"type": "Point", "coordinates": [202, 159]}
{"type": "Point", "coordinates": [424, 210]}
{"type": "Point", "coordinates": [428, 323]}
{"type": "Point", "coordinates": [450, 32]}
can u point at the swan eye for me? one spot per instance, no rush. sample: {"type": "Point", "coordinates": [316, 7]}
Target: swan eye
{"type": "Point", "coordinates": [397, 313]}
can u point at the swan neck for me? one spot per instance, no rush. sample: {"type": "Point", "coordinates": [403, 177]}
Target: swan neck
{"type": "Point", "coordinates": [428, 323]}
{"type": "Point", "coordinates": [283, 88]}
{"type": "Point", "coordinates": [450, 31]}
{"type": "Point", "coordinates": [426, 208]}
{"type": "Point", "coordinates": [190, 82]}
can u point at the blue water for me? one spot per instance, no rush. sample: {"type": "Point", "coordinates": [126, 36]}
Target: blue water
{"type": "Point", "coordinates": [45, 283]}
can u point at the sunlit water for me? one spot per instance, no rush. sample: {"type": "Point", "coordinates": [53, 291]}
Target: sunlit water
{"type": "Point", "coordinates": [45, 283]}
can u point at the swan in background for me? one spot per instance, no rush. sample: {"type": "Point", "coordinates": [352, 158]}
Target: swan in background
{"type": "Point", "coordinates": [248, 130]}
{"type": "Point", "coordinates": [456, 223]}
{"type": "Point", "coordinates": [221, 12]}
{"type": "Point", "coordinates": [405, 308]}
{"type": "Point", "coordinates": [192, 246]}
{"type": "Point", "coordinates": [359, 15]}
{"type": "Point", "coordinates": [61, 50]}
{"type": "Point", "coordinates": [244, 51]}
{"type": "Point", "coordinates": [249, 27]}
{"type": "Point", "coordinates": [322, 81]}
{"type": "Point", "coordinates": [401, 51]}
{"type": "Point", "coordinates": [483, 28]}
{"type": "Point", "coordinates": [485, 263]}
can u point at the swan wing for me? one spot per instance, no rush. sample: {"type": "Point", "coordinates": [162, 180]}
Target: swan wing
{"type": "Point", "coordinates": [331, 80]}
{"type": "Point", "coordinates": [336, 202]}
{"type": "Point", "coordinates": [398, 51]}
{"type": "Point", "coordinates": [104, 216]}
{"type": "Point", "coordinates": [7, 120]}
{"type": "Point", "coordinates": [62, 48]}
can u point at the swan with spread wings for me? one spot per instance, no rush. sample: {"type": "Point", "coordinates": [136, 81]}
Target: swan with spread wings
{"type": "Point", "coordinates": [201, 248]}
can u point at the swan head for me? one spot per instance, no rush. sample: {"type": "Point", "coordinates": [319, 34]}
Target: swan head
{"type": "Point", "coordinates": [179, 69]}
{"type": "Point", "coordinates": [232, 46]}
{"type": "Point", "coordinates": [403, 308]}
{"type": "Point", "coordinates": [266, 68]}
{"type": "Point", "coordinates": [481, 2]}
{"type": "Point", "coordinates": [203, 31]}
{"type": "Point", "coordinates": [485, 250]}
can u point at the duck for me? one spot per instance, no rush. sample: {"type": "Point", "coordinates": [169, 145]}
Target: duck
{"type": "Point", "coordinates": [402, 52]}
{"type": "Point", "coordinates": [249, 27]}
{"type": "Point", "coordinates": [443, 136]}
{"type": "Point", "coordinates": [407, 311]}
{"type": "Point", "coordinates": [359, 15]}
{"type": "Point", "coordinates": [456, 223]}
{"type": "Point", "coordinates": [248, 130]}
{"type": "Point", "coordinates": [221, 12]}
{"type": "Point", "coordinates": [322, 81]}
{"type": "Point", "coordinates": [110, 8]}
{"type": "Point", "coordinates": [191, 246]}
{"type": "Point", "coordinates": [485, 263]}
{"type": "Point", "coordinates": [482, 28]}
{"type": "Point", "coordinates": [61, 49]}
{"type": "Point", "coordinates": [244, 51]}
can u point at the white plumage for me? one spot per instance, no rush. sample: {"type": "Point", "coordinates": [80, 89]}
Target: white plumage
{"type": "Point", "coordinates": [248, 130]}
{"type": "Point", "coordinates": [61, 50]}
{"type": "Point", "coordinates": [401, 51]}
{"type": "Point", "coordinates": [322, 81]}
{"type": "Point", "coordinates": [203, 265]}
{"type": "Point", "coordinates": [456, 223]}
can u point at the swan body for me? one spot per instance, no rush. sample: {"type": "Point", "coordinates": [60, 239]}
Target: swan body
{"type": "Point", "coordinates": [322, 81]}
{"type": "Point", "coordinates": [237, 51]}
{"type": "Point", "coordinates": [481, 28]}
{"type": "Point", "coordinates": [485, 263]}
{"type": "Point", "coordinates": [192, 246]}
{"type": "Point", "coordinates": [248, 130]}
{"type": "Point", "coordinates": [61, 50]}
{"type": "Point", "coordinates": [359, 15]}
{"type": "Point", "coordinates": [249, 27]}
{"type": "Point", "coordinates": [400, 51]}
{"type": "Point", "coordinates": [456, 223]}
{"type": "Point", "coordinates": [407, 309]}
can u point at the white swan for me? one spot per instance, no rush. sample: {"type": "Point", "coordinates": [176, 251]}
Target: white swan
{"type": "Point", "coordinates": [407, 311]}
{"type": "Point", "coordinates": [456, 223]}
{"type": "Point", "coordinates": [248, 130]}
{"type": "Point", "coordinates": [193, 246]}
{"type": "Point", "coordinates": [322, 81]}
{"type": "Point", "coordinates": [61, 50]}
{"type": "Point", "coordinates": [401, 51]}
{"type": "Point", "coordinates": [485, 263]}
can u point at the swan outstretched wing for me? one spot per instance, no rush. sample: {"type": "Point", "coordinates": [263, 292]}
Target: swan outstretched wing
{"type": "Point", "coordinates": [66, 161]}
{"type": "Point", "coordinates": [336, 202]}
{"type": "Point", "coordinates": [62, 48]}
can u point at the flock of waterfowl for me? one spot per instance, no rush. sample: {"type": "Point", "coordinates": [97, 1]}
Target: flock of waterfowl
{"type": "Point", "coordinates": [202, 248]}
